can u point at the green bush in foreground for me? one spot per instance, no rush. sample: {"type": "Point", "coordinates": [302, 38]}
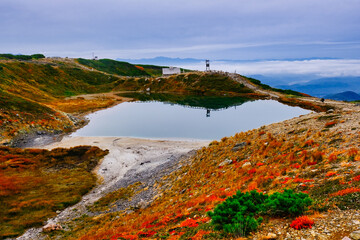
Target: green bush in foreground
{"type": "Point", "coordinates": [237, 214]}
{"type": "Point", "coordinates": [287, 203]}
{"type": "Point", "coordinates": [241, 214]}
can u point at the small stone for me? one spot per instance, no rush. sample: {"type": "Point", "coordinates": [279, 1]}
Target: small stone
{"type": "Point", "coordinates": [346, 238]}
{"type": "Point", "coordinates": [247, 164]}
{"type": "Point", "coordinates": [355, 235]}
{"type": "Point", "coordinates": [347, 109]}
{"type": "Point", "coordinates": [51, 227]}
{"type": "Point", "coordinates": [330, 111]}
{"type": "Point", "coordinates": [238, 146]}
{"type": "Point", "coordinates": [357, 222]}
{"type": "Point", "coordinates": [225, 162]}
{"type": "Point", "coordinates": [271, 236]}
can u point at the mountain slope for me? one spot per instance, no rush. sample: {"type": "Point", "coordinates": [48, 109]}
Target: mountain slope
{"type": "Point", "coordinates": [114, 67]}
{"type": "Point", "coordinates": [344, 96]}
{"type": "Point", "coordinates": [325, 86]}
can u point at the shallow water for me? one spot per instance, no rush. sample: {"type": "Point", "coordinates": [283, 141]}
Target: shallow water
{"type": "Point", "coordinates": [171, 121]}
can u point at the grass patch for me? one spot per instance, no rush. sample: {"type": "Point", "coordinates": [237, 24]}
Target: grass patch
{"type": "Point", "coordinates": [114, 67]}
{"type": "Point", "coordinates": [35, 183]}
{"type": "Point", "coordinates": [121, 194]}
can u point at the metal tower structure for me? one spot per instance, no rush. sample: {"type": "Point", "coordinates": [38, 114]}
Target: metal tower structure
{"type": "Point", "coordinates": [207, 63]}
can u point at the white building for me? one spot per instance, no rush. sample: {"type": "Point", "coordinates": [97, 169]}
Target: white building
{"type": "Point", "coordinates": [171, 71]}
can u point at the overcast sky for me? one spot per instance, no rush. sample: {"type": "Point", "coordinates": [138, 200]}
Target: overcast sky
{"type": "Point", "coordinates": [214, 29]}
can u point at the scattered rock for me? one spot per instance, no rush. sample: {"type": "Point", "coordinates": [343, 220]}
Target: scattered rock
{"type": "Point", "coordinates": [271, 236]}
{"type": "Point", "coordinates": [52, 227]}
{"type": "Point", "coordinates": [355, 235]}
{"type": "Point", "coordinates": [142, 204]}
{"type": "Point", "coordinates": [330, 111]}
{"type": "Point", "coordinates": [238, 146]}
{"type": "Point", "coordinates": [247, 164]}
{"type": "Point", "coordinates": [225, 162]}
{"type": "Point", "coordinates": [346, 238]}
{"type": "Point", "coordinates": [145, 162]}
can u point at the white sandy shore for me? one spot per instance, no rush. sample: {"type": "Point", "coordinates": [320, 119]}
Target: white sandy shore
{"type": "Point", "coordinates": [125, 153]}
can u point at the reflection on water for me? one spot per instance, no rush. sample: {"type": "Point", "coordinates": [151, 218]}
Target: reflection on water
{"type": "Point", "coordinates": [186, 117]}
{"type": "Point", "coordinates": [209, 103]}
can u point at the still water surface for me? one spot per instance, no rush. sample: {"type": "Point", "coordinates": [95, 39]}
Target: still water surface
{"type": "Point", "coordinates": [172, 121]}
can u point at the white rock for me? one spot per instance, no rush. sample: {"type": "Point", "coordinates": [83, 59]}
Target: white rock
{"type": "Point", "coordinates": [225, 162]}
{"type": "Point", "coordinates": [271, 236]}
{"type": "Point", "coordinates": [51, 227]}
{"type": "Point", "coordinates": [355, 235]}
{"type": "Point", "coordinates": [247, 164]}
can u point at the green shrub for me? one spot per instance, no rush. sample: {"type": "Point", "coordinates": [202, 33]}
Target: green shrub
{"type": "Point", "coordinates": [287, 203]}
{"type": "Point", "coordinates": [241, 213]}
{"type": "Point", "coordinates": [237, 215]}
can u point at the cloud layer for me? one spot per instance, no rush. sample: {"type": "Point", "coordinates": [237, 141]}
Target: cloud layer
{"type": "Point", "coordinates": [232, 29]}
{"type": "Point", "coordinates": [317, 68]}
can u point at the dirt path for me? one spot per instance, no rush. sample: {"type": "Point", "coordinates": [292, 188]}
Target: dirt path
{"type": "Point", "coordinates": [253, 87]}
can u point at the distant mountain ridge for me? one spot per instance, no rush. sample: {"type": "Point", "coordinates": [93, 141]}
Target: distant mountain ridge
{"type": "Point", "coordinates": [161, 60]}
{"type": "Point", "coordinates": [165, 60]}
{"type": "Point", "coordinates": [344, 96]}
{"type": "Point", "coordinates": [326, 86]}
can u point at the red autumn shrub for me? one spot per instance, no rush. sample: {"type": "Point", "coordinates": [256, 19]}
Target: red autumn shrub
{"type": "Point", "coordinates": [329, 174]}
{"type": "Point", "coordinates": [345, 192]}
{"type": "Point", "coordinates": [357, 178]}
{"type": "Point", "coordinates": [302, 222]}
{"type": "Point", "coordinates": [330, 124]}
{"type": "Point", "coordinates": [189, 223]}
{"type": "Point", "coordinates": [149, 233]}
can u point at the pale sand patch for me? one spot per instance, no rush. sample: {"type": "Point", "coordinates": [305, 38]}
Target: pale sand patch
{"type": "Point", "coordinates": [125, 153]}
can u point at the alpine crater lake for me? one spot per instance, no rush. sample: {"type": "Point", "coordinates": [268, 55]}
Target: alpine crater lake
{"type": "Point", "coordinates": [165, 116]}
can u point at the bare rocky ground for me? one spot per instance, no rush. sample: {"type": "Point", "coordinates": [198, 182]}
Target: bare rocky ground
{"type": "Point", "coordinates": [336, 224]}
{"type": "Point", "coordinates": [129, 160]}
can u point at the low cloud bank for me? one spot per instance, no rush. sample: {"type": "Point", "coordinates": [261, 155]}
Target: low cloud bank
{"type": "Point", "coordinates": [316, 67]}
